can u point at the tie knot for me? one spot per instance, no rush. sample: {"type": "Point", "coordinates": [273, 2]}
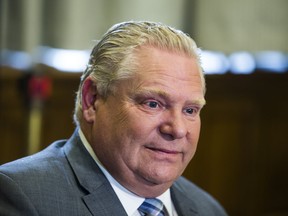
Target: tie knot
{"type": "Point", "coordinates": [151, 207]}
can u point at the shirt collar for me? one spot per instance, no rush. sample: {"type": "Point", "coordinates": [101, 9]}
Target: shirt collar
{"type": "Point", "coordinates": [129, 200]}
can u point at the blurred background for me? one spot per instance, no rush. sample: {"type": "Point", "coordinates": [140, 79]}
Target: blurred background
{"type": "Point", "coordinates": [242, 156]}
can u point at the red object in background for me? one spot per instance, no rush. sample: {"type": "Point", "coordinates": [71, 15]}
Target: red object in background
{"type": "Point", "coordinates": [39, 87]}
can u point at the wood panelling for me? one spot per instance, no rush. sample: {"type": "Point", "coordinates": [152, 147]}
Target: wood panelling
{"type": "Point", "coordinates": [242, 155]}
{"type": "Point", "coordinates": [242, 152]}
{"type": "Point", "coordinates": [13, 116]}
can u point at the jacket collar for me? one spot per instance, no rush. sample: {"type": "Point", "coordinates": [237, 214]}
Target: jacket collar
{"type": "Point", "coordinates": [183, 204]}
{"type": "Point", "coordinates": [101, 199]}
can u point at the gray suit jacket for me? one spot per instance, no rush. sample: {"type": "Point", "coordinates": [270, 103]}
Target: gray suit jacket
{"type": "Point", "coordinates": [64, 180]}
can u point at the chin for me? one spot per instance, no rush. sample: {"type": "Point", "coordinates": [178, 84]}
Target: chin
{"type": "Point", "coordinates": [162, 178]}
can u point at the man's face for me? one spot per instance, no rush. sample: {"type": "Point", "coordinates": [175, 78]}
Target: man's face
{"type": "Point", "coordinates": [146, 133]}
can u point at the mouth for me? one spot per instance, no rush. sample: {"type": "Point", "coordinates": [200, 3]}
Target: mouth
{"type": "Point", "coordinates": [163, 151]}
{"type": "Point", "coordinates": [162, 155]}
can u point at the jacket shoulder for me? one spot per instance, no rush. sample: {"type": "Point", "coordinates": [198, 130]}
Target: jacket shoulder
{"type": "Point", "coordinates": [41, 183]}
{"type": "Point", "coordinates": [202, 201]}
{"type": "Point", "coordinates": [35, 162]}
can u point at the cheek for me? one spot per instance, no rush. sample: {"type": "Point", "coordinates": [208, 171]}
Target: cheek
{"type": "Point", "coordinates": [117, 120]}
{"type": "Point", "coordinates": [136, 123]}
{"type": "Point", "coordinates": [144, 129]}
{"type": "Point", "coordinates": [193, 138]}
{"type": "Point", "coordinates": [128, 131]}
{"type": "Point", "coordinates": [196, 127]}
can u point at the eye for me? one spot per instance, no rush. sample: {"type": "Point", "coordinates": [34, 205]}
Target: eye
{"type": "Point", "coordinates": [152, 104]}
{"type": "Point", "coordinates": [191, 111]}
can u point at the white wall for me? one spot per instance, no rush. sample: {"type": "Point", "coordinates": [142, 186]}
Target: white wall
{"type": "Point", "coordinates": [252, 25]}
{"type": "Point", "coordinates": [222, 25]}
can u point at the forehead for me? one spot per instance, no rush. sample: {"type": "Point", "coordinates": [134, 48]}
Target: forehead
{"type": "Point", "coordinates": [166, 73]}
{"type": "Point", "coordinates": [157, 63]}
{"type": "Point", "coordinates": [175, 63]}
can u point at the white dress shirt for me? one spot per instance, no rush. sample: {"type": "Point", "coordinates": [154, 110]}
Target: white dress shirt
{"type": "Point", "coordinates": [129, 200]}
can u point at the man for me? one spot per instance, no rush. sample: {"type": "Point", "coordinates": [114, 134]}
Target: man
{"type": "Point", "coordinates": [137, 112]}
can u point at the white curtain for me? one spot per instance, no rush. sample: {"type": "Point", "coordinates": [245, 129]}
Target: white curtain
{"type": "Point", "coordinates": [222, 25]}
{"type": "Point", "coordinates": [251, 25]}
{"type": "Point", "coordinates": [74, 24]}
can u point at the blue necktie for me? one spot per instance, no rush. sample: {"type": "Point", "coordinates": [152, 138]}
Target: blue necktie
{"type": "Point", "coordinates": [151, 207]}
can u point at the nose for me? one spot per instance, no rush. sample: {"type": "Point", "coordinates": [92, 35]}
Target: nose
{"type": "Point", "coordinates": [174, 126]}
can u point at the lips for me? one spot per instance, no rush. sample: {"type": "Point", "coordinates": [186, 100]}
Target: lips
{"type": "Point", "coordinates": [160, 150]}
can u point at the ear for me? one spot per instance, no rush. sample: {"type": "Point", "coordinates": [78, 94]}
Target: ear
{"type": "Point", "coordinates": [89, 97]}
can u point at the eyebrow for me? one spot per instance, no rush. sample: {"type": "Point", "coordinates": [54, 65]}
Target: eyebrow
{"type": "Point", "coordinates": [200, 102]}
{"type": "Point", "coordinates": [162, 94]}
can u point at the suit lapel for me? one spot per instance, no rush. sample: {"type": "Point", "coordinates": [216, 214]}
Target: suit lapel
{"type": "Point", "coordinates": [101, 199]}
{"type": "Point", "coordinates": [183, 204]}
{"type": "Point", "coordinates": [104, 202]}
